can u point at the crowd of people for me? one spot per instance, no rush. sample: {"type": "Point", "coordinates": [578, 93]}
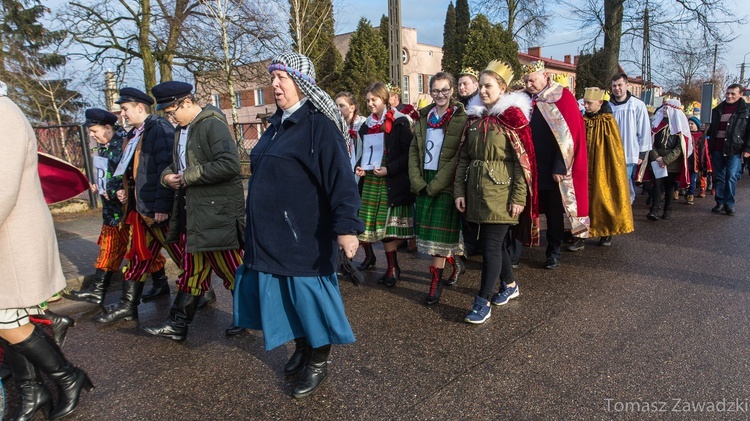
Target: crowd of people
{"type": "Point", "coordinates": [469, 173]}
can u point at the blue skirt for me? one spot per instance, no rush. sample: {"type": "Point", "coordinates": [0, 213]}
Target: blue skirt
{"type": "Point", "coordinates": [287, 307]}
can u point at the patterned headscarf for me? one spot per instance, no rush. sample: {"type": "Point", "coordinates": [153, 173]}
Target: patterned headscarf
{"type": "Point", "coordinates": [302, 71]}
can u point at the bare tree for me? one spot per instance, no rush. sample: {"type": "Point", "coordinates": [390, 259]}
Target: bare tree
{"type": "Point", "coordinates": [525, 20]}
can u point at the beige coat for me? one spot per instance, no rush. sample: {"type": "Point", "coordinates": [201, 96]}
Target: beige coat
{"type": "Point", "coordinates": [29, 258]}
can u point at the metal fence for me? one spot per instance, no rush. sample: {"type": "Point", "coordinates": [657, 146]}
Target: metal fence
{"type": "Point", "coordinates": [69, 142]}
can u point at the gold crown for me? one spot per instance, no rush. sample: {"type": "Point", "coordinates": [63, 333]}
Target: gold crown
{"type": "Point", "coordinates": [561, 79]}
{"type": "Point", "coordinates": [470, 72]}
{"type": "Point", "coordinates": [532, 67]}
{"type": "Point", "coordinates": [593, 94]}
{"type": "Point", "coordinates": [394, 89]}
{"type": "Point", "coordinates": [502, 69]}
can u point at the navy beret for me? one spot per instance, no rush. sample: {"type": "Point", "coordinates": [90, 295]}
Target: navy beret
{"type": "Point", "coordinates": [96, 116]}
{"type": "Point", "coordinates": [167, 93]}
{"type": "Point", "coordinates": [134, 95]}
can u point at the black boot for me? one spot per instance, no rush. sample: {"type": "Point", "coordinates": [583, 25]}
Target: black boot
{"type": "Point", "coordinates": [32, 393]}
{"type": "Point", "coordinates": [127, 307]}
{"type": "Point", "coordinates": [180, 316]}
{"type": "Point", "coordinates": [299, 358]}
{"type": "Point", "coordinates": [458, 267]}
{"type": "Point", "coordinates": [159, 286]}
{"type": "Point", "coordinates": [208, 298]}
{"type": "Point", "coordinates": [58, 324]}
{"type": "Point", "coordinates": [316, 371]}
{"type": "Point", "coordinates": [233, 330]}
{"type": "Point", "coordinates": [44, 354]}
{"type": "Point", "coordinates": [96, 290]}
{"type": "Point", "coordinates": [369, 257]}
{"type": "Point", "coordinates": [436, 287]}
{"type": "Point", "coordinates": [393, 273]}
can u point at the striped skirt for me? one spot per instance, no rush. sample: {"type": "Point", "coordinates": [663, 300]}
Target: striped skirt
{"type": "Point", "coordinates": [11, 318]}
{"type": "Point", "coordinates": [438, 225]}
{"type": "Point", "coordinates": [382, 220]}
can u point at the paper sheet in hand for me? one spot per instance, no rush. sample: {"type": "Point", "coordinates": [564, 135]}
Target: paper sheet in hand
{"type": "Point", "coordinates": [433, 145]}
{"type": "Point", "coordinates": [659, 172]}
{"type": "Point", "coordinates": [100, 173]}
{"type": "Point", "coordinates": [372, 151]}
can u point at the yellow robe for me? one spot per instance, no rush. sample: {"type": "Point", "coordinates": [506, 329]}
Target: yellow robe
{"type": "Point", "coordinates": [609, 192]}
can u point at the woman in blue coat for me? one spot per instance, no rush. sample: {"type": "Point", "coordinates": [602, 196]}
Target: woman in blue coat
{"type": "Point", "coordinates": [302, 205]}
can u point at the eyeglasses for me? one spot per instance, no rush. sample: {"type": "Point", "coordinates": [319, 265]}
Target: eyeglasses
{"type": "Point", "coordinates": [439, 92]}
{"type": "Point", "coordinates": [170, 114]}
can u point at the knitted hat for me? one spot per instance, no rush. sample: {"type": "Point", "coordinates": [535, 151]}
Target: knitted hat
{"type": "Point", "coordinates": [696, 120]}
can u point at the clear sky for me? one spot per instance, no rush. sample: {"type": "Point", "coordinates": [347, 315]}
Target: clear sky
{"type": "Point", "coordinates": [564, 37]}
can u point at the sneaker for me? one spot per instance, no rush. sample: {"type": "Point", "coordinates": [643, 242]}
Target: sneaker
{"type": "Point", "coordinates": [507, 294]}
{"type": "Point", "coordinates": [480, 312]}
{"type": "Point", "coordinates": [578, 245]}
{"type": "Point", "coordinates": [676, 195]}
{"type": "Point", "coordinates": [690, 199]}
{"type": "Point", "coordinates": [605, 241]}
{"type": "Point", "coordinates": [717, 208]}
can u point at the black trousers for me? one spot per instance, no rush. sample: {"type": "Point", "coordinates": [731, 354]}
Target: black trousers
{"type": "Point", "coordinates": [550, 203]}
{"type": "Point", "coordinates": [495, 258]}
{"type": "Point", "coordinates": [666, 187]}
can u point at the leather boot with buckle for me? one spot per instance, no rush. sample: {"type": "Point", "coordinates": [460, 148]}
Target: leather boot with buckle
{"type": "Point", "coordinates": [180, 316]}
{"type": "Point", "coordinates": [96, 290]}
{"type": "Point", "coordinates": [159, 286]}
{"type": "Point", "coordinates": [314, 374]}
{"type": "Point", "coordinates": [127, 307]}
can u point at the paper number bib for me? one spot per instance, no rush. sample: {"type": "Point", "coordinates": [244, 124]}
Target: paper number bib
{"type": "Point", "coordinates": [100, 173]}
{"type": "Point", "coordinates": [433, 145]}
{"type": "Point", "coordinates": [372, 151]}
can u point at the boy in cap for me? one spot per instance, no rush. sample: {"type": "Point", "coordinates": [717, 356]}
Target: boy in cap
{"type": "Point", "coordinates": [208, 216]}
{"type": "Point", "coordinates": [113, 239]}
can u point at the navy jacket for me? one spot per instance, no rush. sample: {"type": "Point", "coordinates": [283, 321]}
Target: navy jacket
{"type": "Point", "coordinates": [301, 195]}
{"type": "Point", "coordinates": [155, 157]}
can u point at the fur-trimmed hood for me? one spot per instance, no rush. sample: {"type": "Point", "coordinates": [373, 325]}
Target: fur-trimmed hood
{"type": "Point", "coordinates": [515, 99]}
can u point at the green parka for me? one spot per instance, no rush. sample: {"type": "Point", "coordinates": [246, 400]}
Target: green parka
{"type": "Point", "coordinates": [214, 198]}
{"type": "Point", "coordinates": [489, 175]}
{"type": "Point", "coordinates": [443, 181]}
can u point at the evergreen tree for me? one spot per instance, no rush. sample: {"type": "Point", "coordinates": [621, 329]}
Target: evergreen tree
{"type": "Point", "coordinates": [363, 63]}
{"type": "Point", "coordinates": [591, 71]}
{"type": "Point", "coordinates": [385, 25]}
{"type": "Point", "coordinates": [311, 26]}
{"type": "Point", "coordinates": [26, 58]}
{"type": "Point", "coordinates": [450, 61]}
{"type": "Point", "coordinates": [463, 20]}
{"type": "Point", "coordinates": [487, 42]}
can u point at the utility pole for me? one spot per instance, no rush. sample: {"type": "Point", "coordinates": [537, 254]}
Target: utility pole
{"type": "Point", "coordinates": [742, 73]}
{"type": "Point", "coordinates": [648, 91]}
{"type": "Point", "coordinates": [713, 72]}
{"type": "Point", "coordinates": [395, 45]}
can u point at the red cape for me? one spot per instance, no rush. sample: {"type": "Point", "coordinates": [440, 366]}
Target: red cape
{"type": "Point", "coordinates": [60, 180]}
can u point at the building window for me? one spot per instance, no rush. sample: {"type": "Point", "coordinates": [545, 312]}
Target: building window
{"type": "Point", "coordinates": [570, 83]}
{"type": "Point", "coordinates": [405, 90]}
{"type": "Point", "coordinates": [420, 83]}
{"type": "Point", "coordinates": [238, 100]}
{"type": "Point", "coordinates": [259, 100]}
{"type": "Point", "coordinates": [217, 100]}
{"type": "Point", "coordinates": [405, 56]}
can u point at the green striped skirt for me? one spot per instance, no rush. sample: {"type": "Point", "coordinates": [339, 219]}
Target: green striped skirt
{"type": "Point", "coordinates": [381, 220]}
{"type": "Point", "coordinates": [438, 223]}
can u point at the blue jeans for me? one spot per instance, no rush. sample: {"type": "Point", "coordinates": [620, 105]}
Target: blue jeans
{"type": "Point", "coordinates": [631, 183]}
{"type": "Point", "coordinates": [726, 172]}
{"type": "Point", "coordinates": [691, 188]}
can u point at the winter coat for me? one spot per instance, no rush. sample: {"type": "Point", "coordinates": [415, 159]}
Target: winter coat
{"type": "Point", "coordinates": [113, 211]}
{"type": "Point", "coordinates": [737, 139]}
{"type": "Point", "coordinates": [300, 197]}
{"type": "Point", "coordinates": [155, 156]}
{"type": "Point", "coordinates": [489, 175]}
{"type": "Point", "coordinates": [214, 205]}
{"type": "Point", "coordinates": [28, 245]}
{"type": "Point", "coordinates": [453, 130]}
{"type": "Point", "coordinates": [668, 147]}
{"type": "Point", "coordinates": [397, 144]}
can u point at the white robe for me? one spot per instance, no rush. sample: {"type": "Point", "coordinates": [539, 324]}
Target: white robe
{"type": "Point", "coordinates": [635, 127]}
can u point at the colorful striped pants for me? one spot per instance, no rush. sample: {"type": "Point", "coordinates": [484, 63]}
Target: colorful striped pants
{"type": "Point", "coordinates": [195, 268]}
{"type": "Point", "coordinates": [113, 243]}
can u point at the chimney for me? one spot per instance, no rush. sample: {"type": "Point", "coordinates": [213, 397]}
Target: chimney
{"type": "Point", "coordinates": [575, 60]}
{"type": "Point", "coordinates": [567, 59]}
{"type": "Point", "coordinates": [535, 51]}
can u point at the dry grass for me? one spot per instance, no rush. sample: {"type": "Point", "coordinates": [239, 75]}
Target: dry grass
{"type": "Point", "coordinates": [70, 207]}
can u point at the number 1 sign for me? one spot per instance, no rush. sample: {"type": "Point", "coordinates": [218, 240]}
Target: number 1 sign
{"type": "Point", "coordinates": [372, 151]}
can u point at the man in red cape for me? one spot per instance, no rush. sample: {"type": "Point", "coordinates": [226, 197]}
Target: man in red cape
{"type": "Point", "coordinates": [559, 135]}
